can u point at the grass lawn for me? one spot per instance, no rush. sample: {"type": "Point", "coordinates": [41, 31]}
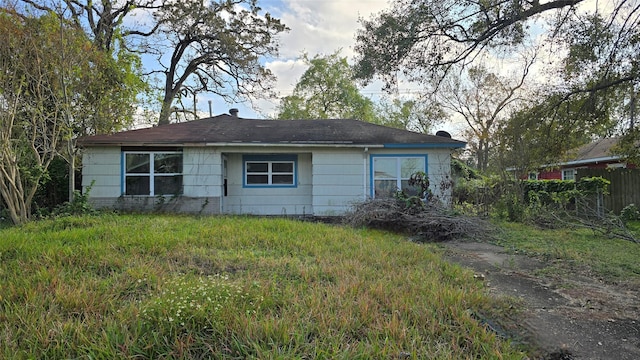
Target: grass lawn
{"type": "Point", "coordinates": [153, 287]}
{"type": "Point", "coordinates": [567, 250]}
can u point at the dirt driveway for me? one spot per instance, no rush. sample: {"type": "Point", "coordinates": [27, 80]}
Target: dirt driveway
{"type": "Point", "coordinates": [574, 316]}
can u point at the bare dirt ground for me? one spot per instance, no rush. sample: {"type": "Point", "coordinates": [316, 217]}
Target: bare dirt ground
{"type": "Point", "coordinates": [571, 316]}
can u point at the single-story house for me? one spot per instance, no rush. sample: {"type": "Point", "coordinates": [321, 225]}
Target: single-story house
{"type": "Point", "coordinates": [231, 165]}
{"type": "Point", "coordinates": [595, 155]}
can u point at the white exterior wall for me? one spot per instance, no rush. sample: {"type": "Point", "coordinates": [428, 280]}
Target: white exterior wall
{"type": "Point", "coordinates": [438, 169]}
{"type": "Point", "coordinates": [201, 180]}
{"type": "Point", "coordinates": [202, 172]}
{"type": "Point", "coordinates": [439, 172]}
{"type": "Point", "coordinates": [329, 180]}
{"type": "Point", "coordinates": [101, 166]}
{"type": "Point", "coordinates": [338, 180]}
{"type": "Point", "coordinates": [268, 200]}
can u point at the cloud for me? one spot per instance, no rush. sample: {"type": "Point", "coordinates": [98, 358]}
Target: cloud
{"type": "Point", "coordinates": [316, 27]}
{"type": "Point", "coordinates": [322, 27]}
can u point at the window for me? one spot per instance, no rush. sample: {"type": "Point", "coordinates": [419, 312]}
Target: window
{"type": "Point", "coordinates": [533, 176]}
{"type": "Point", "coordinates": [270, 170]}
{"type": "Point", "coordinates": [152, 173]}
{"type": "Point", "coordinates": [392, 173]}
{"type": "Point", "coordinates": [568, 174]}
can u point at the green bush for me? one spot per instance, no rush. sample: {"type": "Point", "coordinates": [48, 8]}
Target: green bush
{"type": "Point", "coordinates": [630, 213]}
{"type": "Point", "coordinates": [78, 206]}
{"type": "Point", "coordinates": [542, 201]}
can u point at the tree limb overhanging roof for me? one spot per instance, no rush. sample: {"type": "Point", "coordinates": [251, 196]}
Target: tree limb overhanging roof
{"type": "Point", "coordinates": [226, 129]}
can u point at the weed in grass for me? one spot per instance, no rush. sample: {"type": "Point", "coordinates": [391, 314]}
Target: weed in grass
{"type": "Point", "coordinates": [198, 302]}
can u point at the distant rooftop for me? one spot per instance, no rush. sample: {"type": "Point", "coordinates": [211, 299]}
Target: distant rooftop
{"type": "Point", "coordinates": [599, 149]}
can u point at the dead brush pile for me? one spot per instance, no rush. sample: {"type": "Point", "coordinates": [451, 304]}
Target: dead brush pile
{"type": "Point", "coordinates": [423, 222]}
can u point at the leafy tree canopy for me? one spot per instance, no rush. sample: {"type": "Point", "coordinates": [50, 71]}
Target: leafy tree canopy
{"type": "Point", "coordinates": [200, 46]}
{"type": "Point", "coordinates": [595, 46]}
{"type": "Point", "coordinates": [215, 46]}
{"type": "Point", "coordinates": [54, 86]}
{"type": "Point", "coordinates": [327, 90]}
{"type": "Point", "coordinates": [426, 38]}
{"type": "Point", "coordinates": [544, 133]}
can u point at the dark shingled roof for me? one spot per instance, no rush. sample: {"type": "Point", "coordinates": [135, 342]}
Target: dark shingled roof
{"type": "Point", "coordinates": [225, 129]}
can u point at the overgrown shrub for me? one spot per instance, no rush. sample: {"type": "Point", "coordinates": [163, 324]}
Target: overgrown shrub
{"type": "Point", "coordinates": [54, 188]}
{"type": "Point", "coordinates": [630, 213]}
{"type": "Point", "coordinates": [78, 206]}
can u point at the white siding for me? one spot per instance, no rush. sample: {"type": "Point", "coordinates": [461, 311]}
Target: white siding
{"type": "Point", "coordinates": [202, 172]}
{"type": "Point", "coordinates": [338, 180]}
{"type": "Point", "coordinates": [329, 180]}
{"type": "Point", "coordinates": [202, 175]}
{"type": "Point", "coordinates": [101, 166]}
{"type": "Point", "coordinates": [439, 172]}
{"type": "Point", "coordinates": [265, 200]}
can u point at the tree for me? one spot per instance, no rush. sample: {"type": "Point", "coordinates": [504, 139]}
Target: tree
{"type": "Point", "coordinates": [431, 36]}
{"type": "Point", "coordinates": [214, 46]}
{"type": "Point", "coordinates": [427, 40]}
{"type": "Point", "coordinates": [482, 98]}
{"type": "Point", "coordinates": [103, 20]}
{"type": "Point", "coordinates": [218, 46]}
{"type": "Point", "coordinates": [326, 90]}
{"type": "Point", "coordinates": [52, 78]}
{"type": "Point", "coordinates": [420, 115]}
{"type": "Point", "coordinates": [31, 123]}
{"type": "Point", "coordinates": [110, 100]}
{"type": "Point", "coordinates": [99, 90]}
{"type": "Point", "coordinates": [544, 133]}
{"type": "Point", "coordinates": [111, 75]}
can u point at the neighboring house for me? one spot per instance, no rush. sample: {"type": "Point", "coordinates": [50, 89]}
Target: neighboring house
{"type": "Point", "coordinates": [595, 155]}
{"type": "Point", "coordinates": [231, 165]}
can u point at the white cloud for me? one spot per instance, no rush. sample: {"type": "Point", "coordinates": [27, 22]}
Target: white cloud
{"type": "Point", "coordinates": [322, 27]}
{"type": "Point", "coordinates": [316, 27]}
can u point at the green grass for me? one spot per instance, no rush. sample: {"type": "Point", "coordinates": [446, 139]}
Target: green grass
{"type": "Point", "coordinates": [568, 250]}
{"type": "Point", "coordinates": [154, 287]}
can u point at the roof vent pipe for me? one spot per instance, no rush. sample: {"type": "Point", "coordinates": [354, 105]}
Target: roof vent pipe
{"type": "Point", "coordinates": [233, 112]}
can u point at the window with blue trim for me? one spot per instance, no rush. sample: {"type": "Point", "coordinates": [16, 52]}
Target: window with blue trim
{"type": "Point", "coordinates": [392, 173]}
{"type": "Point", "coordinates": [152, 173]}
{"type": "Point", "coordinates": [270, 170]}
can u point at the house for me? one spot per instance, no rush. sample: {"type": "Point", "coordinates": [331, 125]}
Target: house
{"type": "Point", "coordinates": [595, 155]}
{"type": "Point", "coordinates": [232, 165]}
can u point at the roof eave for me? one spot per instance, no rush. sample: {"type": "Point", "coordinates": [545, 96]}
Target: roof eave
{"type": "Point", "coordinates": [577, 162]}
{"type": "Point", "coordinates": [451, 145]}
{"type": "Point", "coordinates": [590, 161]}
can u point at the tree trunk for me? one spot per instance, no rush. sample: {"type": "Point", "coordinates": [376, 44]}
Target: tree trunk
{"type": "Point", "coordinates": [72, 176]}
{"type": "Point", "coordinates": [165, 112]}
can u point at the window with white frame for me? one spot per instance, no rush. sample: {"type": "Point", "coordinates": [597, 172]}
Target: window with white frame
{"type": "Point", "coordinates": [152, 173]}
{"type": "Point", "coordinates": [568, 174]}
{"type": "Point", "coordinates": [270, 170]}
{"type": "Point", "coordinates": [392, 173]}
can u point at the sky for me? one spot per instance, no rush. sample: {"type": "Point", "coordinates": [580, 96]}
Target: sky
{"type": "Point", "coordinates": [317, 27]}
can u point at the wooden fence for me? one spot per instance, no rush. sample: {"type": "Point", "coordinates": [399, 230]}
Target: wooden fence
{"type": "Point", "coordinates": [624, 188]}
